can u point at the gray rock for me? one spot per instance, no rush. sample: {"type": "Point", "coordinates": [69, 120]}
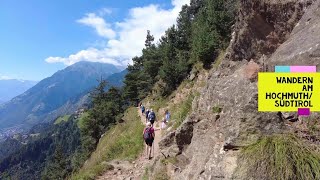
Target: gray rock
{"type": "Point", "coordinates": [210, 143]}
{"type": "Point", "coordinates": [184, 134]}
{"type": "Point", "coordinates": [167, 140]}
{"type": "Point", "coordinates": [192, 76]}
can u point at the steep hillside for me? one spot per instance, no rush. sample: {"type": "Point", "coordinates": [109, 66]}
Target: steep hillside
{"type": "Point", "coordinates": [206, 76]}
{"type": "Point", "coordinates": [59, 94]}
{"type": "Point", "coordinates": [222, 135]}
{"type": "Point", "coordinates": [215, 130]}
{"type": "Point", "coordinates": [12, 87]}
{"type": "Point", "coordinates": [122, 143]}
{"type": "Point", "coordinates": [56, 149]}
{"type": "Point", "coordinates": [26, 156]}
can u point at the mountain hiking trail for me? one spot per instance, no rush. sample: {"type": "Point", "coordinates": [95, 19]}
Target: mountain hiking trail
{"type": "Point", "coordinates": [126, 170]}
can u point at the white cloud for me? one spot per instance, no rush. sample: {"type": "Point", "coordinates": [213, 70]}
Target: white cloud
{"type": "Point", "coordinates": [91, 54]}
{"type": "Point", "coordinates": [102, 28]}
{"type": "Point", "coordinates": [127, 38]}
{"type": "Point", "coordinates": [2, 77]}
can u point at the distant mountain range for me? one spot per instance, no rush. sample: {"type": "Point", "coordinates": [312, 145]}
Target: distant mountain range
{"type": "Point", "coordinates": [60, 94]}
{"type": "Point", "coordinates": [11, 88]}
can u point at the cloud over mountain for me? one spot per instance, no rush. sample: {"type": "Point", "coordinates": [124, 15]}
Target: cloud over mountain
{"type": "Point", "coordinates": [124, 39]}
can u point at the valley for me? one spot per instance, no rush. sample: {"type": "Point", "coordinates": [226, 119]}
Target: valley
{"type": "Point", "coordinates": [9, 132]}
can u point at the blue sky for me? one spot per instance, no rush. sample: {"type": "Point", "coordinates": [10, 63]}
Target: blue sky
{"type": "Point", "coordinates": [40, 37]}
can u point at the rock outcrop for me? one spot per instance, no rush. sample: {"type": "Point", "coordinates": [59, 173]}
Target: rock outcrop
{"type": "Point", "coordinates": [263, 25]}
{"type": "Point", "coordinates": [267, 32]}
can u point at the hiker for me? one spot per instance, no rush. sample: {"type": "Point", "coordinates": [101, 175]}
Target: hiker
{"type": "Point", "coordinates": [147, 113]}
{"type": "Point", "coordinates": [152, 116]}
{"type": "Point", "coordinates": [164, 123]}
{"type": "Point", "coordinates": [148, 136]}
{"type": "Point", "coordinates": [167, 115]}
{"type": "Point", "coordinates": [142, 109]}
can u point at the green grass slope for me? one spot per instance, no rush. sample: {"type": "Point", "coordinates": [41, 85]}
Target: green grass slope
{"type": "Point", "coordinates": [122, 142]}
{"type": "Point", "coordinates": [62, 119]}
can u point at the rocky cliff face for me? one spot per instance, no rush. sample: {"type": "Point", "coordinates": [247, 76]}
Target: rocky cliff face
{"type": "Point", "coordinates": [225, 117]}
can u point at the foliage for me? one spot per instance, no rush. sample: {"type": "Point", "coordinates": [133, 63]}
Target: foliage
{"type": "Point", "coordinates": [202, 29]}
{"type": "Point", "coordinates": [57, 163]}
{"type": "Point", "coordinates": [63, 146]}
{"type": "Point", "coordinates": [211, 30]}
{"type": "Point", "coordinates": [180, 112]}
{"type": "Point", "coordinates": [7, 147]}
{"type": "Point", "coordinates": [161, 173]}
{"type": "Point", "coordinates": [145, 175]}
{"type": "Point", "coordinates": [51, 150]}
{"type": "Point", "coordinates": [123, 141]}
{"type": "Point", "coordinates": [105, 111]}
{"type": "Point", "coordinates": [282, 157]}
{"type": "Point", "coordinates": [219, 59]}
{"type": "Point", "coordinates": [171, 160]}
{"type": "Point", "coordinates": [158, 103]}
{"type": "Point", "coordinates": [216, 109]}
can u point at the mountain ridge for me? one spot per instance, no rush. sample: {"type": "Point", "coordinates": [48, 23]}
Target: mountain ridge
{"type": "Point", "coordinates": [41, 102]}
{"type": "Point", "coordinates": [9, 88]}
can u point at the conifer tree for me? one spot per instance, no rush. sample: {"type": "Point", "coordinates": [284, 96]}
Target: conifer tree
{"type": "Point", "coordinates": [211, 30]}
{"type": "Point", "coordinates": [57, 168]}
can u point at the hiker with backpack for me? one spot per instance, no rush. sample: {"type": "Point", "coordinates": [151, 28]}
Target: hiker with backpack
{"type": "Point", "coordinates": [147, 113]}
{"type": "Point", "coordinates": [152, 116]}
{"type": "Point", "coordinates": [167, 115]}
{"type": "Point", "coordinates": [142, 109]}
{"type": "Point", "coordinates": [148, 136]}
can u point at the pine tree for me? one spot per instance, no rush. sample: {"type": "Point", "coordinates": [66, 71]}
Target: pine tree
{"type": "Point", "coordinates": [149, 40]}
{"type": "Point", "coordinates": [168, 71]}
{"type": "Point", "coordinates": [151, 61]}
{"type": "Point", "coordinates": [133, 85]}
{"type": "Point", "coordinates": [98, 93]}
{"type": "Point", "coordinates": [57, 166]}
{"type": "Point", "coordinates": [211, 30]}
{"type": "Point", "coordinates": [195, 6]}
{"type": "Point", "coordinates": [184, 31]}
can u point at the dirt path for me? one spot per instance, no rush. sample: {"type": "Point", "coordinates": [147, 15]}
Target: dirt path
{"type": "Point", "coordinates": [125, 170]}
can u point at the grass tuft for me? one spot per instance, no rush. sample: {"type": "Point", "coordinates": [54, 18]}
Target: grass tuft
{"type": "Point", "coordinates": [161, 173]}
{"type": "Point", "coordinates": [180, 111]}
{"type": "Point", "coordinates": [171, 160]}
{"type": "Point", "coordinates": [281, 157]}
{"type": "Point", "coordinates": [216, 109]}
{"type": "Point", "coordinates": [146, 174]}
{"type": "Point", "coordinates": [159, 103]}
{"type": "Point", "coordinates": [219, 59]}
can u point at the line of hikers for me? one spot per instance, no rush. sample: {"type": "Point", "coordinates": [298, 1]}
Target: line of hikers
{"type": "Point", "coordinates": [148, 132]}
